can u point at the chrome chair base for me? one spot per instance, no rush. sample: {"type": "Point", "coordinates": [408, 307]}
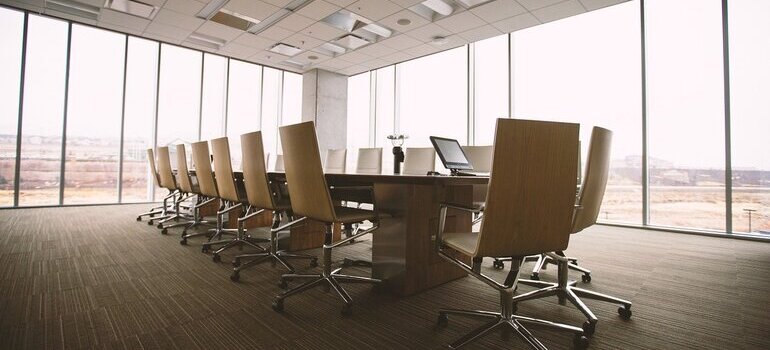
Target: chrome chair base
{"type": "Point", "coordinates": [542, 261]}
{"type": "Point", "coordinates": [566, 290]}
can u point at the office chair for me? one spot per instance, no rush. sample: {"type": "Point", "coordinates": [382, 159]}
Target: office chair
{"type": "Point", "coordinates": [159, 210]}
{"type": "Point", "coordinates": [586, 211]}
{"type": "Point", "coordinates": [207, 188]}
{"type": "Point", "coordinates": [419, 161]}
{"type": "Point", "coordinates": [187, 188]}
{"type": "Point", "coordinates": [310, 198]}
{"type": "Point", "coordinates": [168, 182]}
{"type": "Point", "coordinates": [263, 195]}
{"type": "Point", "coordinates": [230, 199]}
{"type": "Point", "coordinates": [369, 161]}
{"type": "Point", "coordinates": [335, 161]}
{"type": "Point", "coordinates": [481, 159]}
{"type": "Point", "coordinates": [529, 208]}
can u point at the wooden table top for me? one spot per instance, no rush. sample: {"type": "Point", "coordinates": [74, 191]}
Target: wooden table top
{"type": "Point", "coordinates": [387, 178]}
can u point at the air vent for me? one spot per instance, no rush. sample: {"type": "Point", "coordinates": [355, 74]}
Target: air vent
{"type": "Point", "coordinates": [74, 8]}
{"type": "Point", "coordinates": [362, 27]}
{"type": "Point", "coordinates": [286, 50]}
{"type": "Point", "coordinates": [206, 41]}
{"type": "Point", "coordinates": [469, 4]}
{"type": "Point", "coordinates": [234, 19]}
{"type": "Point", "coordinates": [134, 8]}
{"type": "Point", "coordinates": [433, 9]}
{"type": "Point", "coordinates": [351, 42]}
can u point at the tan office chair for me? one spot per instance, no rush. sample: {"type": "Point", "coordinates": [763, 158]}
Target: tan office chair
{"type": "Point", "coordinates": [369, 161]}
{"type": "Point", "coordinates": [230, 198]}
{"type": "Point", "coordinates": [310, 198]}
{"type": "Point", "coordinates": [586, 211]}
{"type": "Point", "coordinates": [207, 187]}
{"type": "Point", "coordinates": [419, 161]}
{"type": "Point", "coordinates": [168, 182]}
{"type": "Point", "coordinates": [481, 159]}
{"type": "Point", "coordinates": [336, 160]}
{"type": "Point", "coordinates": [159, 210]}
{"type": "Point", "coordinates": [263, 195]}
{"type": "Point", "coordinates": [529, 209]}
{"type": "Point", "coordinates": [187, 188]}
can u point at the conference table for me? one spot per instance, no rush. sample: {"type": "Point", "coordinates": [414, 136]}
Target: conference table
{"type": "Point", "coordinates": [403, 248]}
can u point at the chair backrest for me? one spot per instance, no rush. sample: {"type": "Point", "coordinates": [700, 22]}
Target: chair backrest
{"type": "Point", "coordinates": [164, 169]}
{"type": "Point", "coordinates": [595, 180]}
{"type": "Point", "coordinates": [223, 169]}
{"type": "Point", "coordinates": [278, 166]}
{"type": "Point", "coordinates": [419, 161]}
{"type": "Point", "coordinates": [335, 161]}
{"type": "Point", "coordinates": [151, 161]}
{"type": "Point", "coordinates": [531, 193]}
{"type": "Point", "coordinates": [480, 157]}
{"type": "Point", "coordinates": [202, 162]}
{"type": "Point", "coordinates": [369, 161]}
{"type": "Point", "coordinates": [182, 173]}
{"type": "Point", "coordinates": [254, 171]}
{"type": "Point", "coordinates": [304, 174]}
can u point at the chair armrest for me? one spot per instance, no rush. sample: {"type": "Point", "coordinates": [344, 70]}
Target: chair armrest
{"type": "Point", "coordinates": [463, 208]}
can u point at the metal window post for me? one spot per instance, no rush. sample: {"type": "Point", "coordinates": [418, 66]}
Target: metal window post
{"type": "Point", "coordinates": [22, 73]}
{"type": "Point", "coordinates": [64, 123]}
{"type": "Point", "coordinates": [122, 121]}
{"type": "Point", "coordinates": [728, 132]}
{"type": "Point", "coordinates": [645, 162]}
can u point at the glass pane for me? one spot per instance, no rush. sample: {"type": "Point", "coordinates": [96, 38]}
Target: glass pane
{"type": "Point", "coordinates": [214, 96]}
{"type": "Point", "coordinates": [44, 82]}
{"type": "Point", "coordinates": [384, 113]}
{"type": "Point", "coordinates": [586, 69]}
{"type": "Point", "coordinates": [271, 103]}
{"type": "Point", "coordinates": [95, 102]}
{"type": "Point", "coordinates": [179, 96]}
{"type": "Point", "coordinates": [243, 105]}
{"type": "Point", "coordinates": [490, 87]}
{"type": "Point", "coordinates": [141, 86]}
{"type": "Point", "coordinates": [685, 97]}
{"type": "Point", "coordinates": [750, 114]}
{"type": "Point", "coordinates": [11, 37]}
{"type": "Point", "coordinates": [358, 116]}
{"type": "Point", "coordinates": [433, 97]}
{"type": "Point", "coordinates": [291, 109]}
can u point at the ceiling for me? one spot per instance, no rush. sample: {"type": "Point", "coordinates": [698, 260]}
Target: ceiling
{"type": "Point", "coordinates": [174, 21]}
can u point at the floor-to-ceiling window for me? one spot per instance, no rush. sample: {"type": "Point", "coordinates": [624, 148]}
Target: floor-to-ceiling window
{"type": "Point", "coordinates": [685, 102]}
{"type": "Point", "coordinates": [214, 95]}
{"type": "Point", "coordinates": [358, 113]}
{"type": "Point", "coordinates": [271, 108]}
{"type": "Point", "coordinates": [43, 111]}
{"type": "Point", "coordinates": [179, 95]}
{"type": "Point", "coordinates": [490, 87]}
{"type": "Point", "coordinates": [750, 114]}
{"type": "Point", "coordinates": [95, 102]}
{"type": "Point", "coordinates": [244, 105]}
{"type": "Point", "coordinates": [11, 43]}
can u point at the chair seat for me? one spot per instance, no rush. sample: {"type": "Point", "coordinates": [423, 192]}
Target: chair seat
{"type": "Point", "coordinates": [347, 215]}
{"type": "Point", "coordinates": [464, 242]}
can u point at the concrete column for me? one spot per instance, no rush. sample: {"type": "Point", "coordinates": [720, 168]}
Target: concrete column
{"type": "Point", "coordinates": [324, 101]}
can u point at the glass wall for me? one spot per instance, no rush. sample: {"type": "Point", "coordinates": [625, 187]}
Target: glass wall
{"type": "Point", "coordinates": [93, 97]}
{"type": "Point", "coordinates": [11, 37]}
{"type": "Point", "coordinates": [359, 118]}
{"type": "Point", "coordinates": [490, 87]}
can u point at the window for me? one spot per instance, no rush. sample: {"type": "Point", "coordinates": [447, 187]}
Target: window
{"type": "Point", "coordinates": [384, 113]}
{"type": "Point", "coordinates": [490, 88]}
{"type": "Point", "coordinates": [685, 97]}
{"type": "Point", "coordinates": [271, 106]}
{"type": "Point", "coordinates": [243, 105]}
{"type": "Point", "coordinates": [43, 111]}
{"type": "Point", "coordinates": [95, 102]}
{"type": "Point", "coordinates": [214, 96]}
{"type": "Point", "coordinates": [587, 69]}
{"type": "Point", "coordinates": [291, 112]}
{"type": "Point", "coordinates": [178, 96]}
{"type": "Point", "coordinates": [359, 91]}
{"type": "Point", "coordinates": [139, 123]}
{"type": "Point", "coordinates": [750, 114]}
{"type": "Point", "coordinates": [11, 36]}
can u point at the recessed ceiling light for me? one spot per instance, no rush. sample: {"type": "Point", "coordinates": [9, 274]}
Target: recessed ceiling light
{"type": "Point", "coordinates": [286, 50]}
{"type": "Point", "coordinates": [439, 40]}
{"type": "Point", "coordinates": [131, 7]}
{"type": "Point", "coordinates": [74, 8]}
{"type": "Point", "coordinates": [404, 22]}
{"type": "Point", "coordinates": [351, 42]}
{"type": "Point", "coordinates": [206, 40]}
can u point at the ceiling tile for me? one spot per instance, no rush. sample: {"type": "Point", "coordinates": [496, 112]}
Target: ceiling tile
{"type": "Point", "coordinates": [219, 31]}
{"type": "Point", "coordinates": [118, 28]}
{"type": "Point", "coordinates": [178, 20]}
{"type": "Point", "coordinates": [97, 3]}
{"type": "Point", "coordinates": [407, 3]}
{"type": "Point", "coordinates": [376, 50]}
{"type": "Point", "coordinates": [498, 10]}
{"type": "Point", "coordinates": [341, 3]}
{"type": "Point", "coordinates": [279, 3]}
{"type": "Point", "coordinates": [302, 41]}
{"type": "Point", "coordinates": [239, 50]}
{"type": "Point", "coordinates": [254, 41]}
{"type": "Point", "coordinates": [427, 32]}
{"type": "Point", "coordinates": [168, 31]}
{"type": "Point", "coordinates": [295, 22]}
{"type": "Point", "coordinates": [122, 19]}
{"type": "Point", "coordinates": [480, 33]}
{"type": "Point", "coordinates": [161, 38]}
{"type": "Point", "coordinates": [355, 57]}
{"type": "Point", "coordinates": [267, 56]}
{"type": "Point", "coordinates": [252, 8]}
{"type": "Point", "coordinates": [460, 22]}
{"type": "Point", "coordinates": [532, 5]}
{"type": "Point", "coordinates": [421, 50]}
{"type": "Point", "coordinates": [392, 21]}
{"type": "Point", "coordinates": [376, 63]}
{"type": "Point", "coordinates": [187, 7]}
{"type": "Point", "coordinates": [69, 16]}
{"type": "Point", "coordinates": [397, 57]}
{"type": "Point", "coordinates": [401, 42]}
{"type": "Point", "coordinates": [559, 11]}
{"type": "Point", "coordinates": [305, 57]}
{"type": "Point", "coordinates": [322, 31]}
{"type": "Point", "coordinates": [353, 70]}
{"type": "Point", "coordinates": [519, 22]}
{"type": "Point", "coordinates": [318, 9]}
{"type": "Point", "coordinates": [275, 33]}
{"type": "Point", "coordinates": [157, 3]}
{"type": "Point", "coordinates": [374, 9]}
{"type": "Point", "coordinates": [336, 64]}
{"type": "Point", "coordinates": [591, 5]}
{"type": "Point", "coordinates": [32, 5]}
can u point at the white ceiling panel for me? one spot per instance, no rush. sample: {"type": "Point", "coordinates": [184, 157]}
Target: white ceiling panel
{"type": "Point", "coordinates": [428, 32]}
{"type": "Point", "coordinates": [219, 31]}
{"type": "Point", "coordinates": [341, 3]}
{"type": "Point", "coordinates": [498, 10]}
{"type": "Point", "coordinates": [69, 16]}
{"type": "Point", "coordinates": [422, 50]}
{"type": "Point", "coordinates": [254, 41]}
{"type": "Point", "coordinates": [276, 33]}
{"type": "Point", "coordinates": [392, 21]}
{"type": "Point", "coordinates": [352, 70]}
{"type": "Point", "coordinates": [268, 57]}
{"type": "Point", "coordinates": [239, 50]}
{"type": "Point", "coordinates": [322, 31]}
{"type": "Point", "coordinates": [187, 7]}
{"type": "Point", "coordinates": [407, 3]}
{"type": "Point", "coordinates": [122, 19]}
{"type": "Point", "coordinates": [318, 9]}
{"type": "Point", "coordinates": [295, 22]}
{"type": "Point", "coordinates": [559, 11]}
{"type": "Point", "coordinates": [401, 42]}
{"type": "Point", "coordinates": [591, 5]}
{"type": "Point", "coordinates": [532, 5]}
{"type": "Point", "coordinates": [118, 28]}
{"type": "Point", "coordinates": [176, 19]}
{"type": "Point", "coordinates": [175, 33]}
{"type": "Point", "coordinates": [162, 38]}
{"type": "Point", "coordinates": [356, 57]}
{"type": "Point", "coordinates": [397, 57]}
{"type": "Point", "coordinates": [519, 22]}
{"type": "Point", "coordinates": [279, 3]}
{"type": "Point", "coordinates": [253, 8]}
{"type": "Point", "coordinates": [302, 41]}
{"type": "Point", "coordinates": [460, 22]}
{"type": "Point", "coordinates": [480, 33]}
{"type": "Point", "coordinates": [305, 57]}
{"type": "Point", "coordinates": [376, 50]}
{"type": "Point", "coordinates": [374, 9]}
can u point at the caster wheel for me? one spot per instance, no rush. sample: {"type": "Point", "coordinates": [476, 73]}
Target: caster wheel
{"type": "Point", "coordinates": [138, 218]}
{"type": "Point", "coordinates": [313, 262]}
{"type": "Point", "coordinates": [347, 310]}
{"type": "Point", "coordinates": [216, 258]}
{"type": "Point", "coordinates": [352, 241]}
{"type": "Point", "coordinates": [236, 262]}
{"type": "Point", "coordinates": [534, 276]}
{"type": "Point", "coordinates": [498, 264]}
{"type": "Point", "coordinates": [442, 320]}
{"type": "Point", "coordinates": [625, 312]}
{"type": "Point", "coordinates": [183, 242]}
{"type": "Point", "coordinates": [586, 278]}
{"type": "Point", "coordinates": [159, 226]}
{"type": "Point", "coordinates": [277, 305]}
{"type": "Point", "coordinates": [149, 223]}
{"type": "Point", "coordinates": [589, 328]}
{"type": "Point", "coordinates": [580, 342]}
{"type": "Point", "coordinates": [164, 231]}
{"type": "Point", "coordinates": [235, 277]}
{"type": "Point", "coordinates": [283, 284]}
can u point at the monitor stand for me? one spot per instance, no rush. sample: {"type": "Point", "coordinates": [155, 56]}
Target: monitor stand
{"type": "Point", "coordinates": [455, 172]}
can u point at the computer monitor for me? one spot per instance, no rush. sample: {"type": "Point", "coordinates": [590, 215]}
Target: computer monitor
{"type": "Point", "coordinates": [451, 154]}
